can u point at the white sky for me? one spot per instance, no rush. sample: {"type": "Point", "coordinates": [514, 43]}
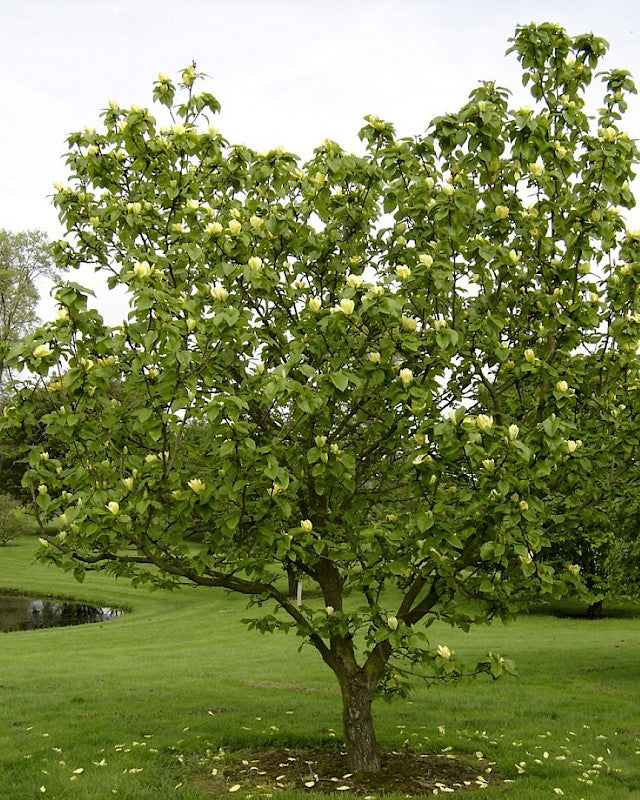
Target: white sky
{"type": "Point", "coordinates": [289, 72]}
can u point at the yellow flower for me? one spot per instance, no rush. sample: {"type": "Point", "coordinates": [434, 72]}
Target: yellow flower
{"type": "Point", "coordinates": [255, 222]}
{"type": "Point", "coordinates": [219, 293]}
{"type": "Point", "coordinates": [306, 525]}
{"type": "Point", "coordinates": [409, 324]}
{"type": "Point", "coordinates": [484, 422]}
{"type": "Point", "coordinates": [42, 489]}
{"type": "Point", "coordinates": [392, 622]}
{"type": "Point", "coordinates": [42, 351]}
{"type": "Point", "coordinates": [443, 651]}
{"type": "Point", "coordinates": [315, 303]}
{"type": "Point", "coordinates": [403, 271]}
{"type": "Point", "coordinates": [142, 269]}
{"type": "Point", "coordinates": [514, 430]}
{"type": "Point", "coordinates": [329, 610]}
{"type": "Point", "coordinates": [234, 227]}
{"type": "Point", "coordinates": [255, 263]}
{"type": "Point", "coordinates": [347, 306]}
{"type": "Point", "coordinates": [196, 485]}
{"type": "Point", "coordinates": [320, 441]}
{"type": "Point", "coordinates": [448, 189]}
{"type": "Point", "coordinates": [562, 386]}
{"type": "Point", "coordinates": [44, 543]}
{"type": "Point", "coordinates": [529, 355]}
{"type": "Point", "coordinates": [574, 569]}
{"type": "Point", "coordinates": [113, 507]}
{"type": "Point", "coordinates": [536, 168]}
{"type": "Point", "coordinates": [189, 75]}
{"type": "Point", "coordinates": [489, 464]}
{"type": "Point", "coordinates": [355, 281]}
{"type": "Point", "coordinates": [213, 228]}
{"type": "Point", "coordinates": [128, 483]}
{"type": "Point", "coordinates": [608, 134]}
{"type": "Point", "coordinates": [425, 259]}
{"type": "Point", "coordinates": [374, 356]}
{"type": "Point", "coordinates": [502, 212]}
{"type": "Point", "coordinates": [406, 376]}
{"type": "Point", "coordinates": [191, 324]}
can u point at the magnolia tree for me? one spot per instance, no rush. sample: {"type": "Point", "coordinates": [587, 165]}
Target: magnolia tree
{"type": "Point", "coordinates": [386, 372]}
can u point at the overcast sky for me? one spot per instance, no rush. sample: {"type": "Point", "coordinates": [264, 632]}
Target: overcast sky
{"type": "Point", "coordinates": [289, 72]}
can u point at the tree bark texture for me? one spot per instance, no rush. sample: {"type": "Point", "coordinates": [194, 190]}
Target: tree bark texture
{"type": "Point", "coordinates": [359, 733]}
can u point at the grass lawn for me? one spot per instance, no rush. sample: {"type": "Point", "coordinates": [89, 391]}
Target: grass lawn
{"type": "Point", "coordinates": [139, 707]}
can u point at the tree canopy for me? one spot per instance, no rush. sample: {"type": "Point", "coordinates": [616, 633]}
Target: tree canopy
{"type": "Point", "coordinates": [388, 370]}
{"type": "Point", "coordinates": [24, 261]}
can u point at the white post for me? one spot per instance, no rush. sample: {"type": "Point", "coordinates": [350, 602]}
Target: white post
{"type": "Point", "coordinates": [299, 594]}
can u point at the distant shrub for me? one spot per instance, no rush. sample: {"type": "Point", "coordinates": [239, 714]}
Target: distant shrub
{"type": "Point", "coordinates": [14, 521]}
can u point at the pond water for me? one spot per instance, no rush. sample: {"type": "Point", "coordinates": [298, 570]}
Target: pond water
{"type": "Point", "coordinates": [28, 613]}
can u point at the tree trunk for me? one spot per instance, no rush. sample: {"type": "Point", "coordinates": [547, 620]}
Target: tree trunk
{"type": "Point", "coordinates": [595, 610]}
{"type": "Point", "coordinates": [292, 581]}
{"type": "Point", "coordinates": [359, 733]}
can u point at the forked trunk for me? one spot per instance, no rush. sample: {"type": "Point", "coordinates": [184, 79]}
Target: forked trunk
{"type": "Point", "coordinates": [359, 733]}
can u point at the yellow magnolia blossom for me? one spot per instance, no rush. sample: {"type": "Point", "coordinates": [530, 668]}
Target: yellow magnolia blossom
{"type": "Point", "coordinates": [306, 525]}
{"type": "Point", "coordinates": [196, 485]}
{"type": "Point", "coordinates": [406, 376]}
{"type": "Point", "coordinates": [484, 422]}
{"type": "Point", "coordinates": [347, 306]}
{"type": "Point", "coordinates": [42, 351]}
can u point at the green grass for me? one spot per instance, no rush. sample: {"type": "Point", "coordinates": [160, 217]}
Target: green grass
{"type": "Point", "coordinates": [180, 675]}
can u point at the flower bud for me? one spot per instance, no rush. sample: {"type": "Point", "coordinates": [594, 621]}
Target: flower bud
{"type": "Point", "coordinates": [113, 507]}
{"type": "Point", "coordinates": [347, 306]}
{"type": "Point", "coordinates": [529, 355]}
{"type": "Point", "coordinates": [392, 622]}
{"type": "Point", "coordinates": [406, 376]}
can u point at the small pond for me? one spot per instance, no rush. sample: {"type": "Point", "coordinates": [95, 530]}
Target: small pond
{"type": "Point", "coordinates": [27, 613]}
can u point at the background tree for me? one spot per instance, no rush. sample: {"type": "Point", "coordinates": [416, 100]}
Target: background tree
{"type": "Point", "coordinates": [381, 347]}
{"type": "Point", "coordinates": [24, 262]}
